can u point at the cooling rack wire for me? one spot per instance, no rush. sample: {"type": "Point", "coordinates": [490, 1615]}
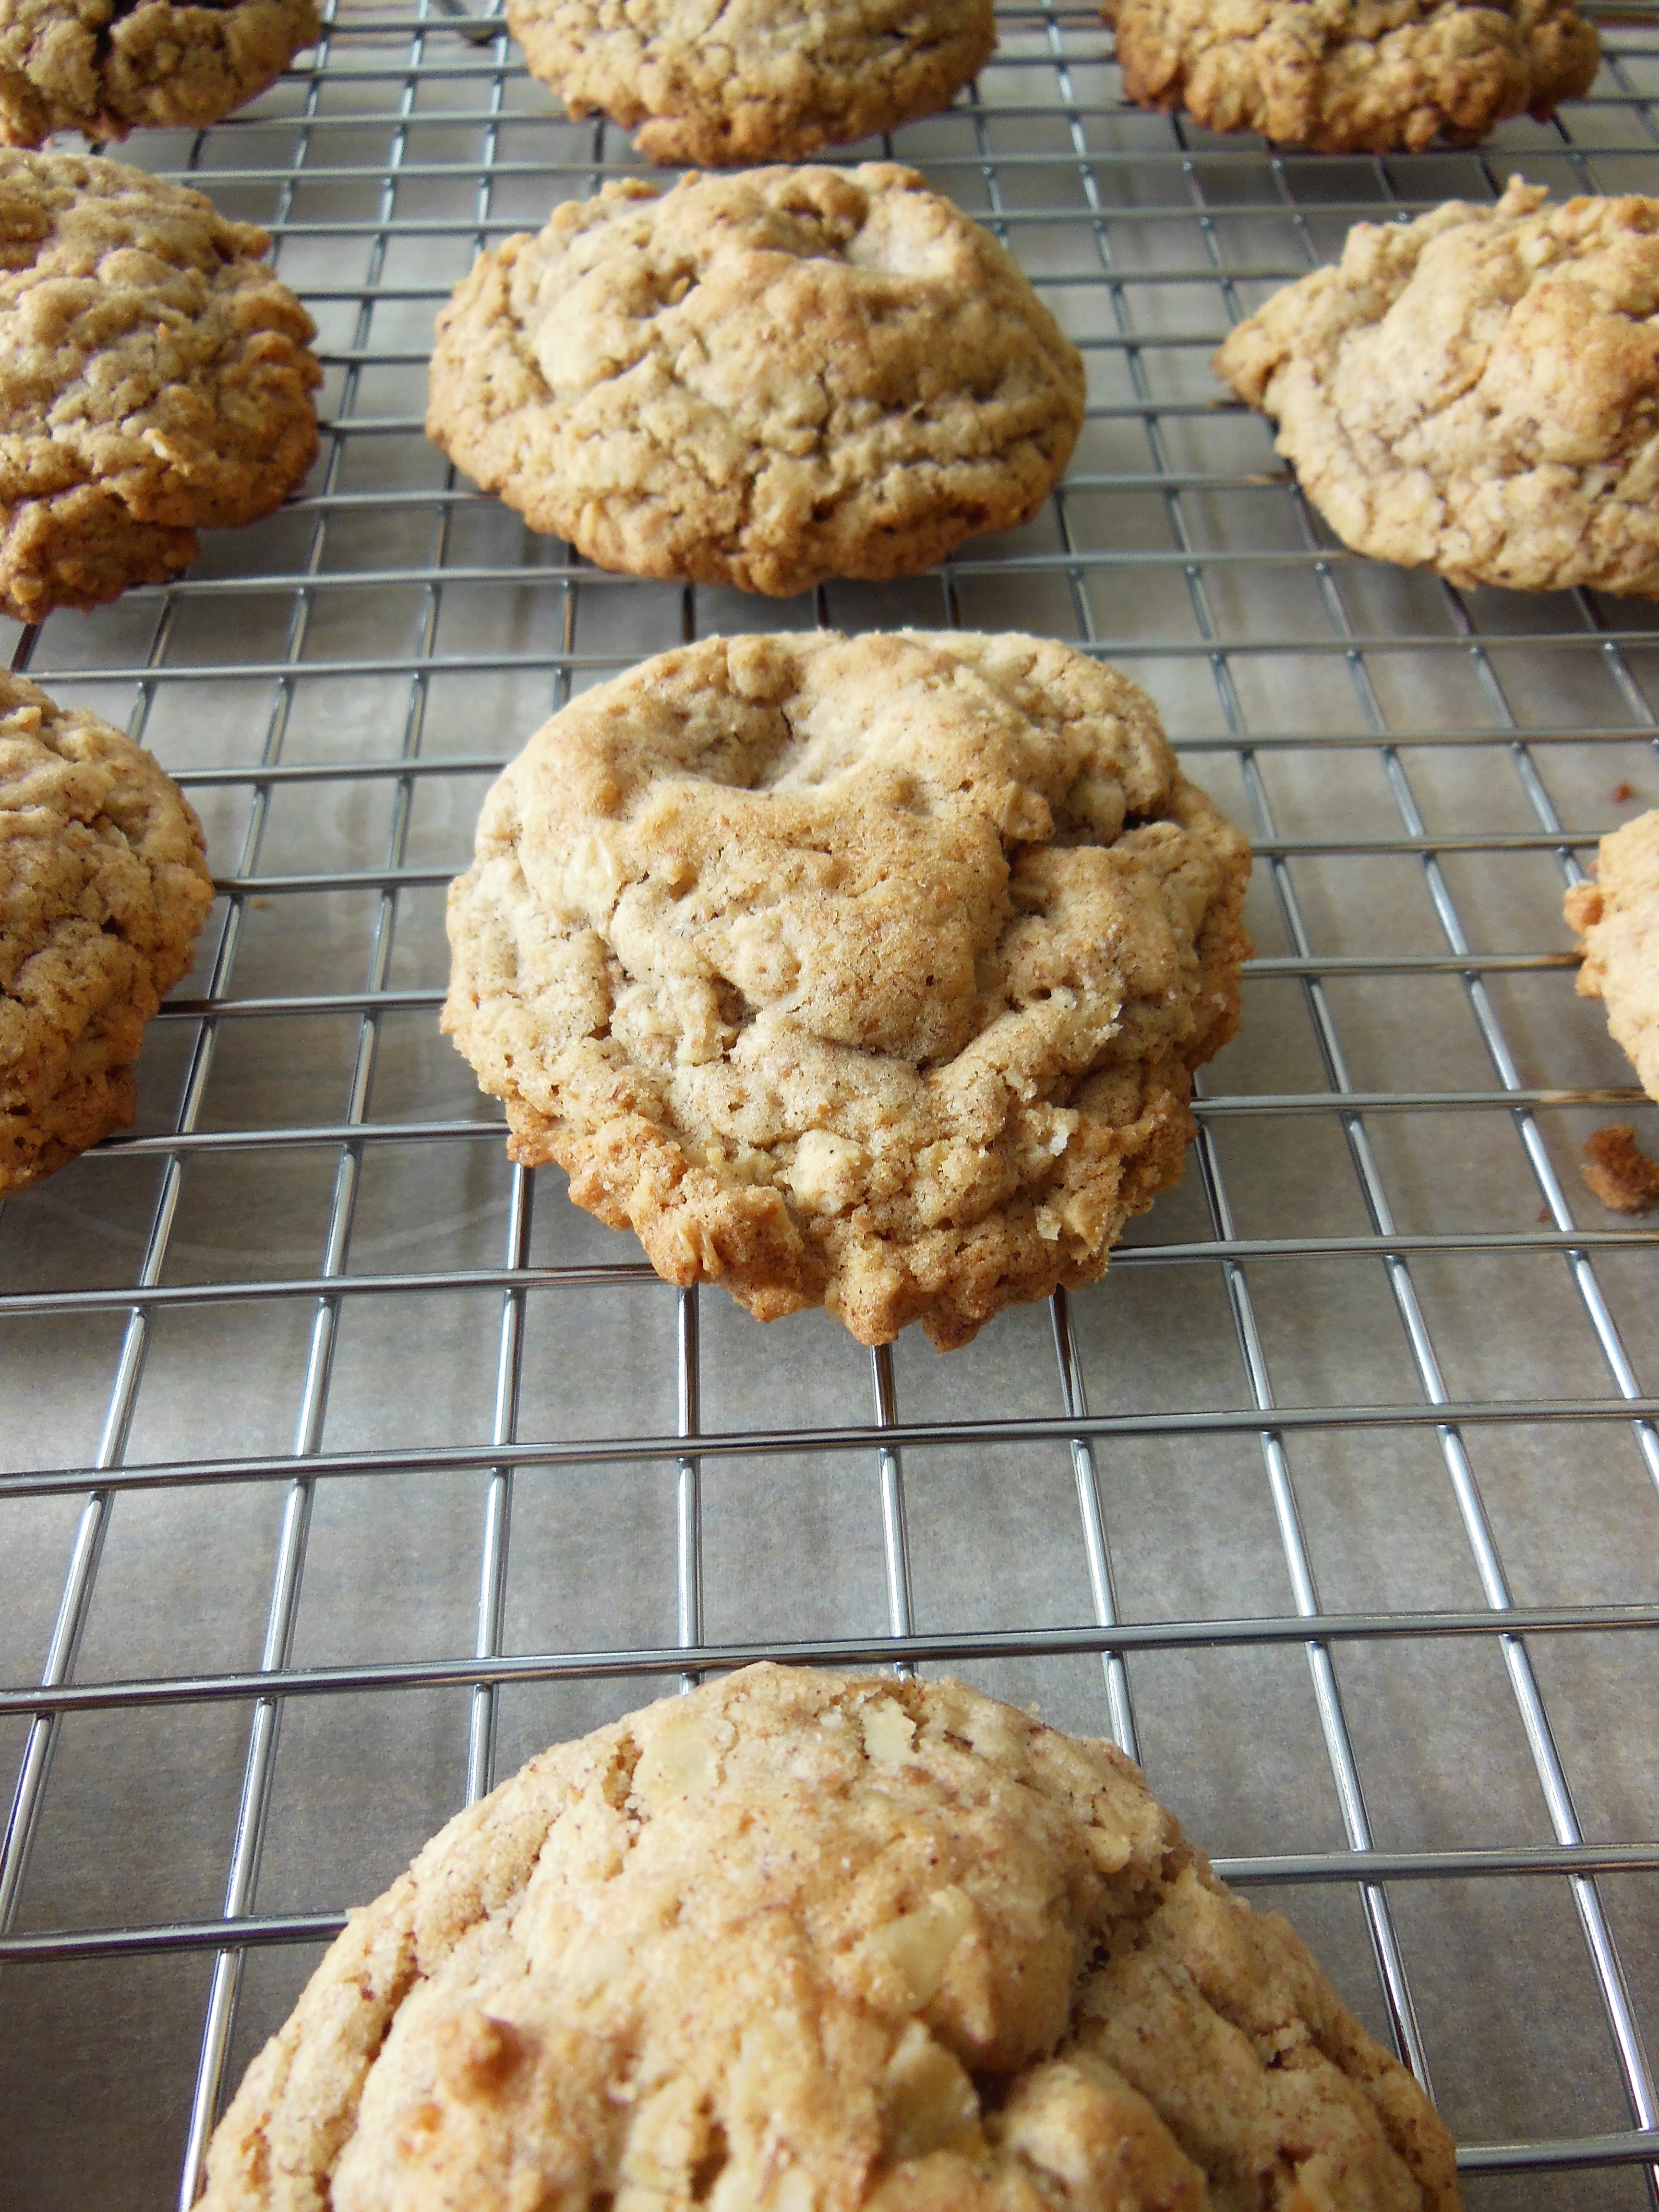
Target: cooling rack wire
{"type": "Point", "coordinates": [345, 1465]}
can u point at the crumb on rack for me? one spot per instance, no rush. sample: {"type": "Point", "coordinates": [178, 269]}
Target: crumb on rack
{"type": "Point", "coordinates": [1623, 793]}
{"type": "Point", "coordinates": [1618, 1171]}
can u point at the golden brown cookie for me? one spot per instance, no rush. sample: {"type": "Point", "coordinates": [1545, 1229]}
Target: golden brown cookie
{"type": "Point", "coordinates": [1476, 390]}
{"type": "Point", "coordinates": [103, 887]}
{"type": "Point", "coordinates": [154, 380]}
{"type": "Point", "coordinates": [805, 1943]}
{"type": "Point", "coordinates": [866, 972]}
{"type": "Point", "coordinates": [1351, 76]}
{"type": "Point", "coordinates": [102, 68]}
{"type": "Point", "coordinates": [756, 80]}
{"type": "Point", "coordinates": [765, 380]}
{"type": "Point", "coordinates": [1616, 916]}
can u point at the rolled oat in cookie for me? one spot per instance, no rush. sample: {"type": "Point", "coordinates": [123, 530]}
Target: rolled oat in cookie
{"type": "Point", "coordinates": [763, 380]}
{"type": "Point", "coordinates": [753, 80]}
{"type": "Point", "coordinates": [799, 1942]}
{"type": "Point", "coordinates": [1353, 75]}
{"type": "Point", "coordinates": [154, 380]}
{"type": "Point", "coordinates": [103, 886]}
{"type": "Point", "coordinates": [104, 67]}
{"type": "Point", "coordinates": [868, 973]}
{"type": "Point", "coordinates": [1477, 391]}
{"type": "Point", "coordinates": [1616, 917]}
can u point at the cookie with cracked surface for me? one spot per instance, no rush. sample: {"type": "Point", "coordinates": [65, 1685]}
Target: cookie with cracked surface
{"type": "Point", "coordinates": [1616, 917]}
{"type": "Point", "coordinates": [103, 68]}
{"type": "Point", "coordinates": [809, 1943]}
{"type": "Point", "coordinates": [1477, 391]}
{"type": "Point", "coordinates": [753, 80]}
{"type": "Point", "coordinates": [103, 886]}
{"type": "Point", "coordinates": [764, 380]}
{"type": "Point", "coordinates": [1354, 75]}
{"type": "Point", "coordinates": [868, 973]}
{"type": "Point", "coordinates": [154, 380]}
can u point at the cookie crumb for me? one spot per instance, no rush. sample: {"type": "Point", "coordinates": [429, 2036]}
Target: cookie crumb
{"type": "Point", "coordinates": [1618, 1171]}
{"type": "Point", "coordinates": [1623, 793]}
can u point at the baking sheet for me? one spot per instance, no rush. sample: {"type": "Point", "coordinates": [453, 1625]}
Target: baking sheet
{"type": "Point", "coordinates": [1347, 713]}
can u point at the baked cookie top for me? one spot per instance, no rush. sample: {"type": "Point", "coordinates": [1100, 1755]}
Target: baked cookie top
{"type": "Point", "coordinates": [797, 1940]}
{"type": "Point", "coordinates": [764, 379]}
{"type": "Point", "coordinates": [103, 887]}
{"type": "Point", "coordinates": [1616, 917]}
{"type": "Point", "coordinates": [754, 80]}
{"type": "Point", "coordinates": [1346, 76]}
{"type": "Point", "coordinates": [1477, 391]}
{"type": "Point", "coordinates": [100, 67]}
{"type": "Point", "coordinates": [862, 972]}
{"type": "Point", "coordinates": [154, 379]}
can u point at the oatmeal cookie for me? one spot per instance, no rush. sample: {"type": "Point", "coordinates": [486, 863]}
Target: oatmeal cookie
{"type": "Point", "coordinates": [798, 1939]}
{"type": "Point", "coordinates": [154, 380]}
{"type": "Point", "coordinates": [1616, 917]}
{"type": "Point", "coordinates": [1351, 76]}
{"type": "Point", "coordinates": [103, 887]}
{"type": "Point", "coordinates": [763, 380]}
{"type": "Point", "coordinates": [755, 80]}
{"type": "Point", "coordinates": [862, 972]}
{"type": "Point", "coordinates": [1478, 391]}
{"type": "Point", "coordinates": [103, 67]}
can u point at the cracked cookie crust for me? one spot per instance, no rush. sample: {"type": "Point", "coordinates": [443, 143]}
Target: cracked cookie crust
{"type": "Point", "coordinates": [765, 380]}
{"type": "Point", "coordinates": [1354, 75]}
{"type": "Point", "coordinates": [103, 67]}
{"type": "Point", "coordinates": [1616, 919]}
{"type": "Point", "coordinates": [1477, 391]}
{"type": "Point", "coordinates": [804, 1943]}
{"type": "Point", "coordinates": [154, 380]}
{"type": "Point", "coordinates": [868, 972]}
{"type": "Point", "coordinates": [103, 886]}
{"type": "Point", "coordinates": [753, 80]}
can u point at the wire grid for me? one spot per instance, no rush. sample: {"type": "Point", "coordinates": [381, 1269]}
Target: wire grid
{"type": "Point", "coordinates": [1335, 1504]}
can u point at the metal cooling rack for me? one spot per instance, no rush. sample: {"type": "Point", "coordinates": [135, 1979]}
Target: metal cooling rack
{"type": "Point", "coordinates": [348, 1464]}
